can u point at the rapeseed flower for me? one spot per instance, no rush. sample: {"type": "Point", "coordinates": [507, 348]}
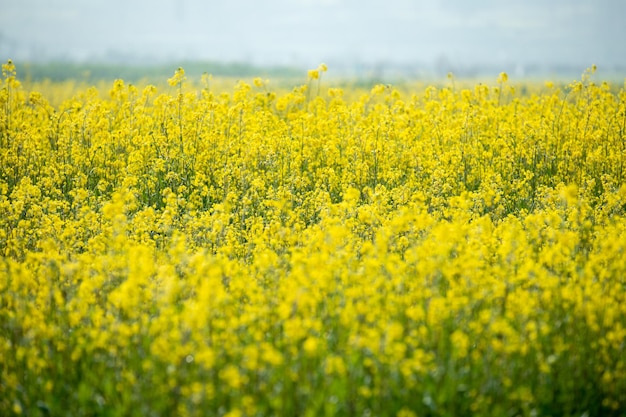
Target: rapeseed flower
{"type": "Point", "coordinates": [387, 251]}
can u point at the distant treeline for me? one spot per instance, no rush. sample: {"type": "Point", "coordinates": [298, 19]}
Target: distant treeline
{"type": "Point", "coordinates": [61, 71]}
{"type": "Point", "coordinates": [355, 76]}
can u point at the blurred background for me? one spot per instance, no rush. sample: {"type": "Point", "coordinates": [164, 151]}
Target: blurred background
{"type": "Point", "coordinates": [381, 38]}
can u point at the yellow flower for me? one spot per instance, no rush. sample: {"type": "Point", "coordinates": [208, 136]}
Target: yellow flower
{"type": "Point", "coordinates": [378, 89]}
{"type": "Point", "coordinates": [405, 412]}
{"type": "Point", "coordinates": [178, 78]}
{"type": "Point", "coordinates": [231, 377]}
{"type": "Point", "coordinates": [311, 346]}
{"type": "Point", "coordinates": [460, 343]}
{"type": "Point", "coordinates": [313, 74]}
{"type": "Point", "coordinates": [234, 413]}
{"type": "Point", "coordinates": [247, 248]}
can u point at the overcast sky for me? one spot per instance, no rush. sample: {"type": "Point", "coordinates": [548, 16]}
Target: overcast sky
{"type": "Point", "coordinates": [307, 32]}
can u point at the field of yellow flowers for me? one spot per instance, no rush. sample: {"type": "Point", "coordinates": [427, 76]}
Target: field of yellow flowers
{"type": "Point", "coordinates": [314, 251]}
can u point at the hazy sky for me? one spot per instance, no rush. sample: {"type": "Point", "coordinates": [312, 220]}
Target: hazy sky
{"type": "Point", "coordinates": [307, 32]}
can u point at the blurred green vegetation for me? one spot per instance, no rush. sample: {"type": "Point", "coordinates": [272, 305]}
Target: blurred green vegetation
{"type": "Point", "coordinates": [153, 72]}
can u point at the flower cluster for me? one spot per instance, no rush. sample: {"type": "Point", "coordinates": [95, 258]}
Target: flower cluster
{"type": "Point", "coordinates": [248, 252]}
